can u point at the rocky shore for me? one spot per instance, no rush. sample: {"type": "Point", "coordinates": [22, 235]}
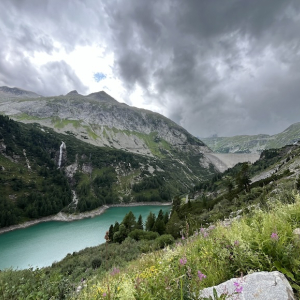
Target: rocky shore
{"type": "Point", "coordinates": [63, 217]}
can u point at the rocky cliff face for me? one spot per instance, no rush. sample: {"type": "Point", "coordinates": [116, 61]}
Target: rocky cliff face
{"type": "Point", "coordinates": [101, 120]}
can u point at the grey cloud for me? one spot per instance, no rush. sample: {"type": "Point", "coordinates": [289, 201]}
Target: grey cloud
{"type": "Point", "coordinates": [227, 67]}
{"type": "Point", "coordinates": [206, 61]}
{"type": "Point", "coordinates": [53, 78]}
{"type": "Point", "coordinates": [29, 27]}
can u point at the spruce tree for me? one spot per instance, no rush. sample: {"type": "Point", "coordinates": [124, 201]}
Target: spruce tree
{"type": "Point", "coordinates": [150, 221]}
{"type": "Point", "coordinates": [139, 223]}
{"type": "Point", "coordinates": [174, 225]}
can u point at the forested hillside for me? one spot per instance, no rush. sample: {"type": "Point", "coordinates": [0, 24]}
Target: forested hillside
{"type": "Point", "coordinates": [39, 177]}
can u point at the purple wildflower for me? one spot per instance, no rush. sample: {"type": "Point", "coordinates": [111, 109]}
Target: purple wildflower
{"type": "Point", "coordinates": [115, 271]}
{"type": "Point", "coordinates": [274, 236]}
{"type": "Point", "coordinates": [238, 287]}
{"type": "Point", "coordinates": [236, 243]}
{"type": "Point", "coordinates": [201, 275]}
{"type": "Point", "coordinates": [104, 294]}
{"type": "Point", "coordinates": [183, 261]}
{"type": "Point", "coordinates": [205, 234]}
{"type": "Point", "coordinates": [182, 238]}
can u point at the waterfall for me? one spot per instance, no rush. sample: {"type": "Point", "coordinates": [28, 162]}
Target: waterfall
{"type": "Point", "coordinates": [62, 146]}
{"type": "Point", "coordinates": [27, 161]}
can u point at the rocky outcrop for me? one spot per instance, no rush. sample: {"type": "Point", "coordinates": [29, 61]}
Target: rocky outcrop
{"type": "Point", "coordinates": [259, 286]}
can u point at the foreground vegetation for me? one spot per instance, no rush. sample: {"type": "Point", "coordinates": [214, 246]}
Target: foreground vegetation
{"type": "Point", "coordinates": [256, 235]}
{"type": "Point", "coordinates": [262, 240]}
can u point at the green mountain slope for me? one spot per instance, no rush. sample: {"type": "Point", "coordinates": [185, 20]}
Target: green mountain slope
{"type": "Point", "coordinates": [40, 178]}
{"type": "Point", "coordinates": [254, 143]}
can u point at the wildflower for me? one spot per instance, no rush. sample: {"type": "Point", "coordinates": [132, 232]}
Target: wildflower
{"type": "Point", "coordinates": [183, 261]}
{"type": "Point", "coordinates": [274, 236]}
{"type": "Point", "coordinates": [236, 243]}
{"type": "Point", "coordinates": [115, 271]}
{"type": "Point", "coordinates": [104, 294]}
{"type": "Point", "coordinates": [201, 275]}
{"type": "Point", "coordinates": [238, 287]}
{"type": "Point", "coordinates": [182, 238]}
{"type": "Point", "coordinates": [205, 234]}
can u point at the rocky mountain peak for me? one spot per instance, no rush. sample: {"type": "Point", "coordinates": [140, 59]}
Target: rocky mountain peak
{"type": "Point", "coordinates": [74, 92]}
{"type": "Point", "coordinates": [14, 92]}
{"type": "Point", "coordinates": [102, 97]}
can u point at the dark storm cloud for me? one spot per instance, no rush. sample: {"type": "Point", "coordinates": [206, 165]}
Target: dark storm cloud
{"type": "Point", "coordinates": [227, 67]}
{"type": "Point", "coordinates": [208, 61]}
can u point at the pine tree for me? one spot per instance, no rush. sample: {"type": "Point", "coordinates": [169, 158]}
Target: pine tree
{"type": "Point", "coordinates": [176, 203]}
{"type": "Point", "coordinates": [129, 222]}
{"type": "Point", "coordinates": [243, 178]}
{"type": "Point", "coordinates": [174, 225]}
{"type": "Point", "coordinates": [159, 225]}
{"type": "Point", "coordinates": [166, 217]}
{"type": "Point", "coordinates": [150, 221]}
{"type": "Point", "coordinates": [139, 223]}
{"type": "Point", "coordinates": [116, 227]}
{"type": "Point", "coordinates": [111, 233]}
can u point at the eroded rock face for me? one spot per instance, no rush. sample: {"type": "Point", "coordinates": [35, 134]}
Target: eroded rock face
{"type": "Point", "coordinates": [258, 286]}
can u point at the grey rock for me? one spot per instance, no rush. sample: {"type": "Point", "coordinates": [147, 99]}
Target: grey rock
{"type": "Point", "coordinates": [297, 232]}
{"type": "Point", "coordinates": [259, 286]}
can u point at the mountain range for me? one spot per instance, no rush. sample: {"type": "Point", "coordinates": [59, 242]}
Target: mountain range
{"type": "Point", "coordinates": [254, 143]}
{"type": "Point", "coordinates": [75, 153]}
{"type": "Point", "coordinates": [93, 150]}
{"type": "Point", "coordinates": [102, 121]}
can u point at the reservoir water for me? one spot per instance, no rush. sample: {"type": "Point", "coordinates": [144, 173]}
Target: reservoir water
{"type": "Point", "coordinates": [42, 244]}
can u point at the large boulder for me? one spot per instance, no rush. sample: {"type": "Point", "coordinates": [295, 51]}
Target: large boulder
{"type": "Point", "coordinates": [258, 286]}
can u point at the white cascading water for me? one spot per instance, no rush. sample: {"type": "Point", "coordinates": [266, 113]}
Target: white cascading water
{"type": "Point", "coordinates": [62, 146]}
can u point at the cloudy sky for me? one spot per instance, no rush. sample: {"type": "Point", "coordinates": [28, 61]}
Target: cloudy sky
{"type": "Point", "coordinates": [223, 67]}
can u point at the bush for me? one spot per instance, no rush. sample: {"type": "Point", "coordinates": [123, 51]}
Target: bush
{"type": "Point", "coordinates": [163, 241]}
{"type": "Point", "coordinates": [140, 234]}
{"type": "Point", "coordinates": [96, 263]}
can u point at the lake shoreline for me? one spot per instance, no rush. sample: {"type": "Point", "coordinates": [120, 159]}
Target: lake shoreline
{"type": "Point", "coordinates": [63, 217]}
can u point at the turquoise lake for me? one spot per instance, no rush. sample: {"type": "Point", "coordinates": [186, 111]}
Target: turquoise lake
{"type": "Point", "coordinates": [42, 244]}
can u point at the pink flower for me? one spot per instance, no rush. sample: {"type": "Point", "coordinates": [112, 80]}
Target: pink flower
{"type": "Point", "coordinates": [183, 261]}
{"type": "Point", "coordinates": [201, 275]}
{"type": "Point", "coordinates": [205, 234]}
{"type": "Point", "coordinates": [104, 294]}
{"type": "Point", "coordinates": [182, 238]}
{"type": "Point", "coordinates": [115, 271]}
{"type": "Point", "coordinates": [238, 287]}
{"type": "Point", "coordinates": [274, 236]}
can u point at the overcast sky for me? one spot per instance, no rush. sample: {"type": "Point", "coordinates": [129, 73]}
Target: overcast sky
{"type": "Point", "coordinates": [223, 67]}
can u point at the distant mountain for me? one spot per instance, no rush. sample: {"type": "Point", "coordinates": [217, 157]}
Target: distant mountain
{"type": "Point", "coordinates": [254, 143]}
{"type": "Point", "coordinates": [7, 93]}
{"type": "Point", "coordinates": [101, 120]}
